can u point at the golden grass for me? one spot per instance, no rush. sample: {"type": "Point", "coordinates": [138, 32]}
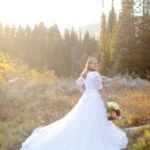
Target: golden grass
{"type": "Point", "coordinates": [40, 98]}
{"type": "Point", "coordinates": [136, 104]}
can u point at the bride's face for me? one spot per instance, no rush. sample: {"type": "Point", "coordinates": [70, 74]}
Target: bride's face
{"type": "Point", "coordinates": [94, 65]}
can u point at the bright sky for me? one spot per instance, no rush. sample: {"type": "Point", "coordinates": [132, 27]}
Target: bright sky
{"type": "Point", "coordinates": [65, 13]}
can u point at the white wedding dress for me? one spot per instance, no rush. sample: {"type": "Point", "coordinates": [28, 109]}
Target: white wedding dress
{"type": "Point", "coordinates": [85, 127]}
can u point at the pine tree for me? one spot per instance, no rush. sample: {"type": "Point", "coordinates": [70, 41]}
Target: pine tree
{"type": "Point", "coordinates": [102, 43]}
{"type": "Point", "coordinates": [125, 40]}
{"type": "Point", "coordinates": [143, 39]}
{"type": "Point", "coordinates": [111, 35]}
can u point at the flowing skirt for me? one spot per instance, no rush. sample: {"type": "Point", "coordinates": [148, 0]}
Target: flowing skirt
{"type": "Point", "coordinates": [84, 127]}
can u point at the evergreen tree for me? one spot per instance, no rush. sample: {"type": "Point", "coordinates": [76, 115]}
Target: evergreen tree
{"type": "Point", "coordinates": [125, 40]}
{"type": "Point", "coordinates": [143, 39]}
{"type": "Point", "coordinates": [111, 37]}
{"type": "Point", "coordinates": [102, 43]}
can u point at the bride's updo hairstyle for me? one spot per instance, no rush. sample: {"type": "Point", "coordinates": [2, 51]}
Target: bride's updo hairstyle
{"type": "Point", "coordinates": [87, 66]}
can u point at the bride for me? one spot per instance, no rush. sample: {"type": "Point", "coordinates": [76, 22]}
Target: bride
{"type": "Point", "coordinates": [86, 126]}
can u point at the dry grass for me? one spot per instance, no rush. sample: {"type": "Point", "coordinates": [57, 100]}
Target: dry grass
{"type": "Point", "coordinates": [38, 98]}
{"type": "Point", "coordinates": [23, 110]}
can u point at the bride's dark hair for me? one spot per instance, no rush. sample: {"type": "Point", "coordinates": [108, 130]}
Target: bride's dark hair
{"type": "Point", "coordinates": [87, 66]}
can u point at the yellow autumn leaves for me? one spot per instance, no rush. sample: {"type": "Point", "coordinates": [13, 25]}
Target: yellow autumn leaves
{"type": "Point", "coordinates": [14, 67]}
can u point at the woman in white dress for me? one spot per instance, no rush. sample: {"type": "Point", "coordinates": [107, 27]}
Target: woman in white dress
{"type": "Point", "coordinates": [86, 126]}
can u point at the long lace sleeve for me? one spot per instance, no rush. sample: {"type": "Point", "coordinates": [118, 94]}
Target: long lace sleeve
{"type": "Point", "coordinates": [98, 81]}
{"type": "Point", "coordinates": [79, 81]}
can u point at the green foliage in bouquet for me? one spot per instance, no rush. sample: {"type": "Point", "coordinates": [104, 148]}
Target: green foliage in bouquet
{"type": "Point", "coordinates": [110, 109]}
{"type": "Point", "coordinates": [113, 111]}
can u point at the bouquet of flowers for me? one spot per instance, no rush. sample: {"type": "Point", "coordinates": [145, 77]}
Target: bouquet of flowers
{"type": "Point", "coordinates": [113, 111]}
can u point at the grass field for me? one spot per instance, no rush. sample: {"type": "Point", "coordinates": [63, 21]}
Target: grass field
{"type": "Point", "coordinates": [36, 99]}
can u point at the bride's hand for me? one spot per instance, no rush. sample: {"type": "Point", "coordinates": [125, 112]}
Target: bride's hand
{"type": "Point", "coordinates": [106, 105]}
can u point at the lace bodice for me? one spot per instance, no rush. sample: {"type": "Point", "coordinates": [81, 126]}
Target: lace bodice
{"type": "Point", "coordinates": [93, 80]}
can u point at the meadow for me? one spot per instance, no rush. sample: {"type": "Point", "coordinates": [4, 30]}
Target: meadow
{"type": "Point", "coordinates": [30, 98]}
